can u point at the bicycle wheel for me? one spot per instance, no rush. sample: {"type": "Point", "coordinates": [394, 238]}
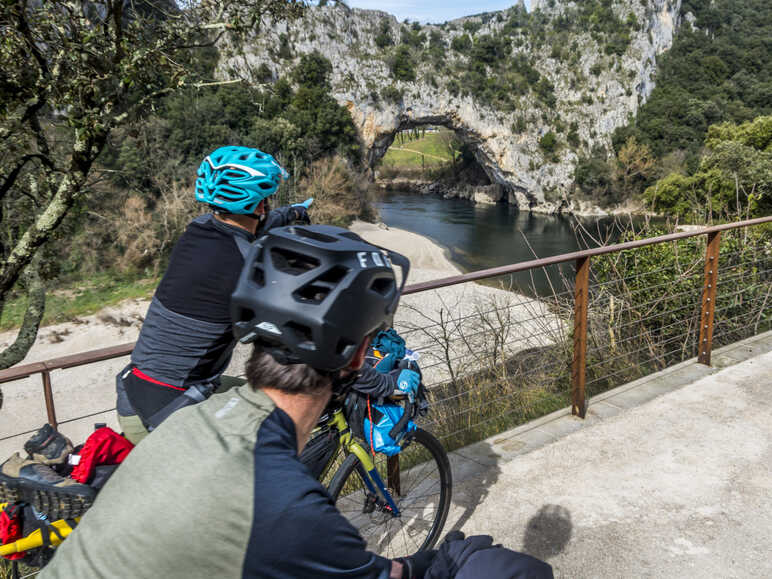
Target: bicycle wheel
{"type": "Point", "coordinates": [420, 483]}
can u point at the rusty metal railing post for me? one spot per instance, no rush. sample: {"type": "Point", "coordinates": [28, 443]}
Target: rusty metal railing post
{"type": "Point", "coordinates": [49, 396]}
{"type": "Point", "coordinates": [709, 298]}
{"type": "Point", "coordinates": [579, 363]}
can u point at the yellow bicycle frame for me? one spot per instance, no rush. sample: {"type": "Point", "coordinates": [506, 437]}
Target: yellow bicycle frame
{"type": "Point", "coordinates": [347, 442]}
{"type": "Point", "coordinates": [350, 445]}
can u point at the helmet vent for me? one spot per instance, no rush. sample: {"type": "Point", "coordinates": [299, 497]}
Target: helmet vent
{"type": "Point", "coordinates": [382, 286]}
{"type": "Point", "coordinates": [334, 275]}
{"type": "Point", "coordinates": [258, 277]}
{"type": "Point", "coordinates": [293, 263]}
{"type": "Point", "coordinates": [311, 293]}
{"type": "Point", "coordinates": [301, 332]}
{"type": "Point", "coordinates": [310, 234]}
{"type": "Point", "coordinates": [320, 288]}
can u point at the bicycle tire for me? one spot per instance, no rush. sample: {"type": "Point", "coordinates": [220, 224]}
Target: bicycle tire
{"type": "Point", "coordinates": [375, 526]}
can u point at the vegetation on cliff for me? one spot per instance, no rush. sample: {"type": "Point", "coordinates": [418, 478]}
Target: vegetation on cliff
{"type": "Point", "coordinates": [718, 71]}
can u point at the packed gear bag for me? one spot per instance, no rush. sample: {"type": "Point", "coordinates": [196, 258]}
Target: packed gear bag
{"type": "Point", "coordinates": [355, 410]}
{"type": "Point", "coordinates": [380, 420]}
{"type": "Point", "coordinates": [60, 497]}
{"type": "Point", "coordinates": [386, 350]}
{"type": "Point", "coordinates": [104, 447]}
{"type": "Point", "coordinates": [12, 527]}
{"type": "Point", "coordinates": [27, 535]}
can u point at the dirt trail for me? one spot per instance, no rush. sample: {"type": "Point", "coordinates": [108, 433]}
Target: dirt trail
{"type": "Point", "coordinates": [419, 153]}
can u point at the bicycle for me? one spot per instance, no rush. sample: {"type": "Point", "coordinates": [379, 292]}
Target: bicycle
{"type": "Point", "coordinates": [397, 518]}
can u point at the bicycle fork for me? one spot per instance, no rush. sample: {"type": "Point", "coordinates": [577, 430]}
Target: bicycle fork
{"type": "Point", "coordinates": [373, 480]}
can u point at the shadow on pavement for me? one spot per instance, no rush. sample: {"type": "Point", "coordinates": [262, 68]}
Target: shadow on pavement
{"type": "Point", "coordinates": [474, 464]}
{"type": "Point", "coordinates": [548, 532]}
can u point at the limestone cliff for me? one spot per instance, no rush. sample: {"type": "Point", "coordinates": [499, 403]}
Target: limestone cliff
{"type": "Point", "coordinates": [593, 89]}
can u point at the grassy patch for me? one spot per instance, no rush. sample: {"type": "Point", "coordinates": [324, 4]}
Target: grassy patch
{"type": "Point", "coordinates": [80, 298]}
{"type": "Point", "coordinates": [433, 146]}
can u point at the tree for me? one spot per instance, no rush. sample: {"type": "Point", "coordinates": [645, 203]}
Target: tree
{"type": "Point", "coordinates": [73, 72]}
{"type": "Point", "coordinates": [636, 163]}
{"type": "Point", "coordinates": [734, 175]}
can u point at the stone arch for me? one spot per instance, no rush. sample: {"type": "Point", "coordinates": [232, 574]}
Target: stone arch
{"type": "Point", "coordinates": [382, 138]}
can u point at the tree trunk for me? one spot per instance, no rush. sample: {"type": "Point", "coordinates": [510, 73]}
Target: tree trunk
{"type": "Point", "coordinates": [84, 151]}
{"type": "Point", "coordinates": [36, 305]}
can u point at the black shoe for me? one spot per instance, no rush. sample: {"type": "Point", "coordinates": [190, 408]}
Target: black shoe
{"type": "Point", "coordinates": [38, 484]}
{"type": "Point", "coordinates": [47, 446]}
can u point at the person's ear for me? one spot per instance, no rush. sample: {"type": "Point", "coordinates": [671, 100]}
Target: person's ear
{"type": "Point", "coordinates": [359, 357]}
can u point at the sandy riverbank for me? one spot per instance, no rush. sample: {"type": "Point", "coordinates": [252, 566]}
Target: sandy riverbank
{"type": "Point", "coordinates": [90, 389]}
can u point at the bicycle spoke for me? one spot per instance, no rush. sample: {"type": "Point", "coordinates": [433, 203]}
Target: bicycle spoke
{"type": "Point", "coordinates": [422, 503]}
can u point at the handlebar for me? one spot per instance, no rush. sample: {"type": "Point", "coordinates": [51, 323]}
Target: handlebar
{"type": "Point", "coordinates": [410, 405]}
{"type": "Point", "coordinates": [406, 416]}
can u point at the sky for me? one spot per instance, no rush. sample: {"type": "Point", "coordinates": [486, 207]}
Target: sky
{"type": "Point", "coordinates": [435, 11]}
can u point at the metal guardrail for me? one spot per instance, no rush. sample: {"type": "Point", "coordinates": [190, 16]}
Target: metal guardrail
{"type": "Point", "coordinates": [581, 304]}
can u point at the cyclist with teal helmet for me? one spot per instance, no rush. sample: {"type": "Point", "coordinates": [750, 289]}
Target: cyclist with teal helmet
{"type": "Point", "coordinates": [186, 339]}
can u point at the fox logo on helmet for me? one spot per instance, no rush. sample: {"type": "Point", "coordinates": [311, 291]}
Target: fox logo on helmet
{"type": "Point", "coordinates": [378, 259]}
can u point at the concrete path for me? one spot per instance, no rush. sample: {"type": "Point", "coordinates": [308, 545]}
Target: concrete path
{"type": "Point", "coordinates": [669, 476]}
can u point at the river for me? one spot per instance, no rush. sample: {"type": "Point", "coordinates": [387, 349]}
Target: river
{"type": "Point", "coordinates": [479, 236]}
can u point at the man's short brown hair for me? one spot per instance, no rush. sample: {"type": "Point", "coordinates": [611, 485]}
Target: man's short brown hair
{"type": "Point", "coordinates": [263, 371]}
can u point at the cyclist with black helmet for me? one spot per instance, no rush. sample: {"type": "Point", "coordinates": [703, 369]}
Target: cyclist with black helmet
{"type": "Point", "coordinates": [218, 490]}
{"type": "Point", "coordinates": [186, 340]}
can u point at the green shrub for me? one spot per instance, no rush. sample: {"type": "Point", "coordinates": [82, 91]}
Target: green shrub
{"type": "Point", "coordinates": [472, 26]}
{"type": "Point", "coordinates": [548, 142]}
{"type": "Point", "coordinates": [391, 94]}
{"type": "Point", "coordinates": [402, 65]}
{"type": "Point", "coordinates": [461, 43]}
{"type": "Point", "coordinates": [384, 38]}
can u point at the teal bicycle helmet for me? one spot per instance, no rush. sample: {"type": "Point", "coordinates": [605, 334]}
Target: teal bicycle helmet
{"type": "Point", "coordinates": [236, 179]}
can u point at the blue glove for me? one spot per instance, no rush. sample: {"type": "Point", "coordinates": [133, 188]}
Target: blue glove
{"type": "Point", "coordinates": [407, 383]}
{"type": "Point", "coordinates": [386, 364]}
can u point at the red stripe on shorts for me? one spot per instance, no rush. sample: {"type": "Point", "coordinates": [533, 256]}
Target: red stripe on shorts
{"type": "Point", "coordinates": [140, 374]}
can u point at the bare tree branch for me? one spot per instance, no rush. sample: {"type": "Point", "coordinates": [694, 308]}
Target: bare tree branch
{"type": "Point", "coordinates": [13, 175]}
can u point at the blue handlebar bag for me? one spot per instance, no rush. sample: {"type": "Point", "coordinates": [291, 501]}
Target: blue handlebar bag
{"type": "Point", "coordinates": [385, 417]}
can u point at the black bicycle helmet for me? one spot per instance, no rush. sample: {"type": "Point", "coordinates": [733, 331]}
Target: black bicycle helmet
{"type": "Point", "coordinates": [311, 294]}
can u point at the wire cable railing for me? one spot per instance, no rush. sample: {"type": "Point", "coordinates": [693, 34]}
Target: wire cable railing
{"type": "Point", "coordinates": [491, 363]}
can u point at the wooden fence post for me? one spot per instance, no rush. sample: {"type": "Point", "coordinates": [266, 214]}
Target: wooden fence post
{"type": "Point", "coordinates": [709, 298]}
{"type": "Point", "coordinates": [579, 363]}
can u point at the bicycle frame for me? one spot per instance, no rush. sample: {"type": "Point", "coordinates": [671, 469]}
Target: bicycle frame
{"type": "Point", "coordinates": [348, 443]}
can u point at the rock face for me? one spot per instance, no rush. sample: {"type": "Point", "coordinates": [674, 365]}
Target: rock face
{"type": "Point", "coordinates": [595, 93]}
